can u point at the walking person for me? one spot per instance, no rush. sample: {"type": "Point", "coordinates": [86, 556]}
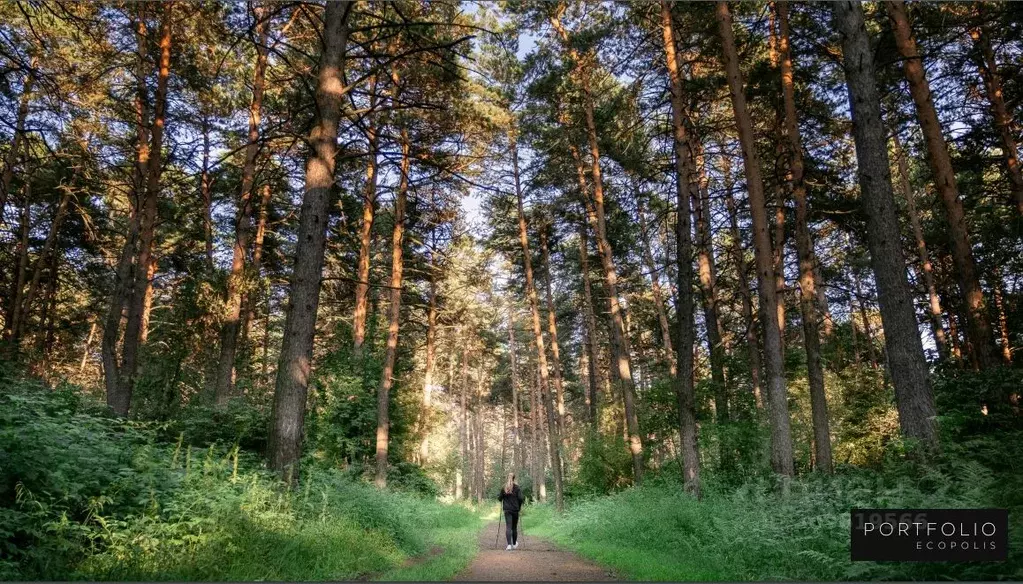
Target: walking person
{"type": "Point", "coordinates": [511, 503]}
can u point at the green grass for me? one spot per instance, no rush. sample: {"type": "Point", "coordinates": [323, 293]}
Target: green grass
{"type": "Point", "coordinates": [83, 496]}
{"type": "Point", "coordinates": [655, 532]}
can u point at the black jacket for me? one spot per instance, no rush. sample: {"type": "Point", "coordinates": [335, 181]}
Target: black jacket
{"type": "Point", "coordinates": [511, 502]}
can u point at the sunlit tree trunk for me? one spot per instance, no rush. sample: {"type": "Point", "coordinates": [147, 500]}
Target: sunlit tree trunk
{"type": "Point", "coordinates": [252, 298]}
{"type": "Point", "coordinates": [707, 273]}
{"type": "Point", "coordinates": [685, 181]}
{"type": "Point", "coordinates": [595, 373]}
{"type": "Point", "coordinates": [804, 252]}
{"type": "Point", "coordinates": [369, 202]}
{"type": "Point", "coordinates": [1003, 320]}
{"type": "Point", "coordinates": [926, 269]}
{"type": "Point", "coordinates": [21, 272]}
{"type": "Point", "coordinates": [431, 360]}
{"type": "Point", "coordinates": [517, 462]}
{"type": "Point", "coordinates": [945, 182]}
{"type": "Point", "coordinates": [541, 353]}
{"type": "Point", "coordinates": [147, 223]}
{"type": "Point", "coordinates": [909, 373]}
{"type": "Point", "coordinates": [552, 332]}
{"type": "Point", "coordinates": [123, 279]}
{"type": "Point", "coordinates": [393, 316]}
{"type": "Point", "coordinates": [236, 287]}
{"type": "Point", "coordinates": [619, 342]}
{"type": "Point", "coordinates": [295, 362]}
{"type": "Point", "coordinates": [781, 434]}
{"type": "Point", "coordinates": [1003, 120]}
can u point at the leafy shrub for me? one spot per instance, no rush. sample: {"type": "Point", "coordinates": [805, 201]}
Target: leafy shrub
{"type": "Point", "coordinates": [86, 496]}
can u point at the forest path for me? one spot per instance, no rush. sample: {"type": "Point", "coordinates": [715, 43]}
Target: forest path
{"type": "Point", "coordinates": [535, 560]}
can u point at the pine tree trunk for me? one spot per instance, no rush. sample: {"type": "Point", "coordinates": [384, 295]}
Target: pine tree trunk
{"type": "Point", "coordinates": [1003, 320]}
{"type": "Point", "coordinates": [590, 331]}
{"type": "Point", "coordinates": [781, 434]}
{"type": "Point", "coordinates": [668, 352]}
{"type": "Point", "coordinates": [236, 281]}
{"type": "Point", "coordinates": [741, 270]}
{"type": "Point", "coordinates": [804, 252]}
{"type": "Point", "coordinates": [945, 182]}
{"type": "Point", "coordinates": [252, 298]}
{"type": "Point", "coordinates": [595, 370]}
{"type": "Point", "coordinates": [685, 181]}
{"type": "Point", "coordinates": [708, 283]}
{"type": "Point", "coordinates": [541, 353]}
{"type": "Point", "coordinates": [552, 332]}
{"type": "Point", "coordinates": [517, 461]}
{"type": "Point", "coordinates": [21, 272]}
{"type": "Point", "coordinates": [909, 373]}
{"type": "Point", "coordinates": [619, 342]}
{"type": "Point", "coordinates": [24, 307]}
{"type": "Point", "coordinates": [1000, 112]}
{"type": "Point", "coordinates": [927, 270]}
{"type": "Point", "coordinates": [369, 202]}
{"type": "Point", "coordinates": [147, 223]}
{"type": "Point", "coordinates": [393, 316]}
{"type": "Point", "coordinates": [123, 273]}
{"type": "Point", "coordinates": [296, 355]}
{"type": "Point", "coordinates": [431, 360]}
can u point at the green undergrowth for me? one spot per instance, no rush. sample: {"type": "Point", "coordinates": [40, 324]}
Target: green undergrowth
{"type": "Point", "coordinates": [655, 532]}
{"type": "Point", "coordinates": [86, 496]}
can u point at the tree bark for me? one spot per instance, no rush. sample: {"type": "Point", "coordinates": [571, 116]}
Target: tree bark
{"type": "Point", "coordinates": [668, 352]}
{"type": "Point", "coordinates": [236, 281]}
{"type": "Point", "coordinates": [1003, 320]}
{"type": "Point", "coordinates": [252, 298]}
{"type": "Point", "coordinates": [123, 278]}
{"type": "Point", "coordinates": [595, 370]}
{"type": "Point", "coordinates": [926, 268]}
{"type": "Point", "coordinates": [295, 360]}
{"type": "Point", "coordinates": [393, 315]}
{"type": "Point", "coordinates": [804, 251]}
{"type": "Point", "coordinates": [909, 373]}
{"type": "Point", "coordinates": [945, 182]}
{"type": "Point", "coordinates": [147, 223]}
{"type": "Point", "coordinates": [741, 270]}
{"type": "Point", "coordinates": [619, 342]}
{"type": "Point", "coordinates": [685, 181]}
{"type": "Point", "coordinates": [369, 202]}
{"type": "Point", "coordinates": [431, 360]}
{"type": "Point", "coordinates": [781, 434]}
{"type": "Point", "coordinates": [541, 354]}
{"type": "Point", "coordinates": [985, 57]}
{"type": "Point", "coordinates": [23, 308]}
{"type": "Point", "coordinates": [552, 332]}
{"type": "Point", "coordinates": [708, 283]}
{"type": "Point", "coordinates": [513, 363]}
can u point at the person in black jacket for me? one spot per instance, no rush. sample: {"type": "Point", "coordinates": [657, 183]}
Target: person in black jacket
{"type": "Point", "coordinates": [511, 503]}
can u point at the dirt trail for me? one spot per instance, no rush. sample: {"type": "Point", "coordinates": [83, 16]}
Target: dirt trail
{"type": "Point", "coordinates": [535, 560]}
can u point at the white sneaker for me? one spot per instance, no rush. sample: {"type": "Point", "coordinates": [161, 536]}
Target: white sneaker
{"type": "Point", "coordinates": [508, 549]}
{"type": "Point", "coordinates": [516, 546]}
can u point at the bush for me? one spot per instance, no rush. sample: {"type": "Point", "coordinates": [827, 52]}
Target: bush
{"type": "Point", "coordinates": [86, 496]}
